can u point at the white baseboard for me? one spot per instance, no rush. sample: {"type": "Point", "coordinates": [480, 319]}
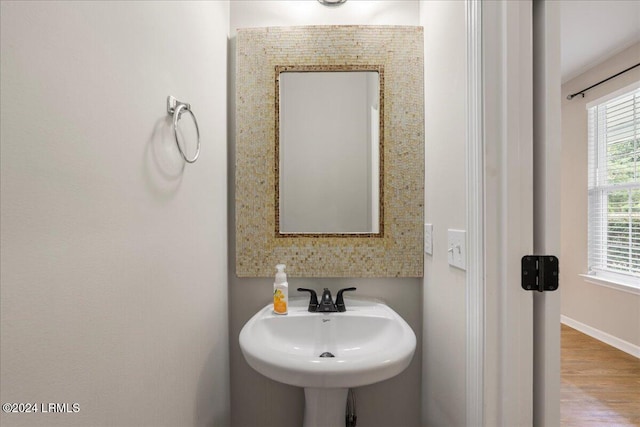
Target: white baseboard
{"type": "Point", "coordinates": [616, 342]}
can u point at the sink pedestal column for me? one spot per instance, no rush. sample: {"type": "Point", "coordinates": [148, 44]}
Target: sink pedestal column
{"type": "Point", "coordinates": [325, 406]}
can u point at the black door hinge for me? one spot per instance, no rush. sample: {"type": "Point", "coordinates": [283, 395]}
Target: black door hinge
{"type": "Point", "coordinates": [540, 273]}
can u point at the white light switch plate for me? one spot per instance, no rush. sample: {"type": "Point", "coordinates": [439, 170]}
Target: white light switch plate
{"type": "Point", "coordinates": [457, 249]}
{"type": "Point", "coordinates": [428, 239]}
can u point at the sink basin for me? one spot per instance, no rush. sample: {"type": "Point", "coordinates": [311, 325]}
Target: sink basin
{"type": "Point", "coordinates": [328, 353]}
{"type": "Point", "coordinates": [368, 343]}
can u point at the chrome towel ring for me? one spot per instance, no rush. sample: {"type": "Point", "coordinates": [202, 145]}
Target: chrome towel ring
{"type": "Point", "coordinates": [175, 108]}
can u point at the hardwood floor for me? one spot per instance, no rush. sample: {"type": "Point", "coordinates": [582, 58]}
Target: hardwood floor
{"type": "Point", "coordinates": [600, 384]}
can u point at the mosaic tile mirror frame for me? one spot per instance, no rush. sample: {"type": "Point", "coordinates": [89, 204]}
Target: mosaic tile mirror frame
{"type": "Point", "coordinates": [397, 249]}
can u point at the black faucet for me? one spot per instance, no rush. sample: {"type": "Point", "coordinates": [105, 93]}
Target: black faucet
{"type": "Point", "coordinates": [326, 304]}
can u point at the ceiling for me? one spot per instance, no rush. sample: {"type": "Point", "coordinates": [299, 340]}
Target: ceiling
{"type": "Point", "coordinates": [594, 30]}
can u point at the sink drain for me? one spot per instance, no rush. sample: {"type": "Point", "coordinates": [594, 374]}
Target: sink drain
{"type": "Point", "coordinates": [326, 354]}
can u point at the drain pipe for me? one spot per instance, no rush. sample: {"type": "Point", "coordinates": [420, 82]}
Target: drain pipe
{"type": "Point", "coordinates": [351, 417]}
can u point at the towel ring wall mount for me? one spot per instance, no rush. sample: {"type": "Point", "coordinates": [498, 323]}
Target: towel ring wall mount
{"type": "Point", "coordinates": [176, 108]}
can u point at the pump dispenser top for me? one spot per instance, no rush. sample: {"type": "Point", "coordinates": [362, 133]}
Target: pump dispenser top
{"type": "Point", "coordinates": [281, 276]}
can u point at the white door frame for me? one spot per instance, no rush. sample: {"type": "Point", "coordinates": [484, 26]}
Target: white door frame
{"type": "Point", "coordinates": [475, 217]}
{"type": "Point", "coordinates": [547, 137]}
{"type": "Point", "coordinates": [508, 137]}
{"type": "Point", "coordinates": [500, 203]}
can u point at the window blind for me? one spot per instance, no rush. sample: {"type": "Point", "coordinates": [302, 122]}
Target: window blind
{"type": "Point", "coordinates": [614, 186]}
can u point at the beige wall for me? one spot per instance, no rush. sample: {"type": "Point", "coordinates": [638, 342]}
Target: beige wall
{"type": "Point", "coordinates": [256, 400]}
{"type": "Point", "coordinates": [444, 322]}
{"type": "Point", "coordinates": [611, 311]}
{"type": "Point", "coordinates": [113, 257]}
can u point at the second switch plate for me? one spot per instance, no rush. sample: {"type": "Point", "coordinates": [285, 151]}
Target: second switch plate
{"type": "Point", "coordinates": [457, 249]}
{"type": "Point", "coordinates": [428, 239]}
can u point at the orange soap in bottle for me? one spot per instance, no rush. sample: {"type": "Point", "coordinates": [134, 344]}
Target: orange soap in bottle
{"type": "Point", "coordinates": [280, 291]}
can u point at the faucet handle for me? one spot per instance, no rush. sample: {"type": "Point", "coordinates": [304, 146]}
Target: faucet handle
{"type": "Point", "coordinates": [340, 299]}
{"type": "Point", "coordinates": [313, 302]}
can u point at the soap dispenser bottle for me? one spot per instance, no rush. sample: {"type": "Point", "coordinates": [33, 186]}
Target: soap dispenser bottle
{"type": "Point", "coordinates": [280, 291]}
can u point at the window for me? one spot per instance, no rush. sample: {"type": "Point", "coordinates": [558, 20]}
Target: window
{"type": "Point", "coordinates": [614, 188]}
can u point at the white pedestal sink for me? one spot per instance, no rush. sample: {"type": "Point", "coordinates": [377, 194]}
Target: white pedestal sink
{"type": "Point", "coordinates": [369, 343]}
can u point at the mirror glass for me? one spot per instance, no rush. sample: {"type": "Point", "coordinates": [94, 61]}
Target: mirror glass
{"type": "Point", "coordinates": [329, 147]}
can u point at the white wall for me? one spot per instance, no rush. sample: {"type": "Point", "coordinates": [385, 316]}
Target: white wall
{"type": "Point", "coordinates": [113, 261]}
{"type": "Point", "coordinates": [444, 321]}
{"type": "Point", "coordinates": [611, 311]}
{"type": "Point", "coordinates": [256, 400]}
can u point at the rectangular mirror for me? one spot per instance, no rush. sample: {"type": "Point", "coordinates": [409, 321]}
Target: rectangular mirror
{"type": "Point", "coordinates": [329, 144]}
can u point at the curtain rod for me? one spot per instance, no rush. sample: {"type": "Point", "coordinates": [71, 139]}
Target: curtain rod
{"type": "Point", "coordinates": [573, 95]}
